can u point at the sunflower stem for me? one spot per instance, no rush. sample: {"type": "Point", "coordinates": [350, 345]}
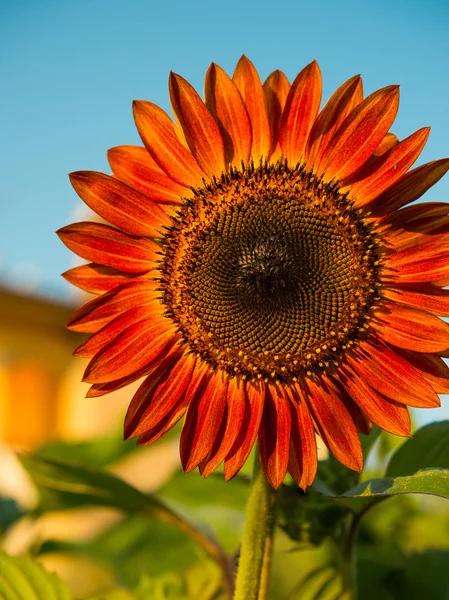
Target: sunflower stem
{"type": "Point", "coordinates": [255, 554]}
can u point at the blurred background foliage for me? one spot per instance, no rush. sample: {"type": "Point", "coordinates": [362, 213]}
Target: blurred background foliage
{"type": "Point", "coordinates": [117, 522]}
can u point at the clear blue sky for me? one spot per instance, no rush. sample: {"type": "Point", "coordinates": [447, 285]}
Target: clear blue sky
{"type": "Point", "coordinates": [70, 70]}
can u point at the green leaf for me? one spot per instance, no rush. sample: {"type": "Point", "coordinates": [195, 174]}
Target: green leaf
{"type": "Point", "coordinates": [308, 518]}
{"type": "Point", "coordinates": [427, 481]}
{"type": "Point", "coordinates": [23, 579]}
{"type": "Point", "coordinates": [117, 594]}
{"type": "Point", "coordinates": [98, 452]}
{"type": "Point", "coordinates": [65, 485]}
{"type": "Point", "coordinates": [429, 447]}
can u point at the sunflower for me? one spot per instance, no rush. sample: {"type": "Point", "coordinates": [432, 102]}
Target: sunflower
{"type": "Point", "coordinates": [265, 272]}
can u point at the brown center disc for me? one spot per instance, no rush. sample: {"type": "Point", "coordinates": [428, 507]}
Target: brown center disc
{"type": "Point", "coordinates": [268, 271]}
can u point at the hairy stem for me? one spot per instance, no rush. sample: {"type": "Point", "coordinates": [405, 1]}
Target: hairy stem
{"type": "Point", "coordinates": [255, 554]}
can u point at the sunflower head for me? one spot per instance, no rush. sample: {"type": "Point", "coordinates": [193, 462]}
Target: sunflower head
{"type": "Point", "coordinates": [265, 272]}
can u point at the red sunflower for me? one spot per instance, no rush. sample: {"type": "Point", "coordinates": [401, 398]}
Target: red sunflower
{"type": "Point", "coordinates": [262, 274]}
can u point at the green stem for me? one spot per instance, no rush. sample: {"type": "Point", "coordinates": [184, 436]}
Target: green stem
{"type": "Point", "coordinates": [255, 553]}
{"type": "Point", "coordinates": [349, 555]}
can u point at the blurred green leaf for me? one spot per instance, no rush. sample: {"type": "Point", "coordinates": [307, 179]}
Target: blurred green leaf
{"type": "Point", "coordinates": [429, 447]}
{"type": "Point", "coordinates": [426, 576]}
{"type": "Point", "coordinates": [9, 512]}
{"type": "Point", "coordinates": [65, 485]}
{"type": "Point", "coordinates": [117, 594]}
{"type": "Point", "coordinates": [140, 544]}
{"type": "Point", "coordinates": [99, 452]}
{"type": "Point", "coordinates": [23, 579]}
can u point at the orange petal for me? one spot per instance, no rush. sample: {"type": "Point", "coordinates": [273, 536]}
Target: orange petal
{"type": "Point", "coordinates": [431, 367]}
{"type": "Point", "coordinates": [226, 105]}
{"type": "Point", "coordinates": [110, 247]}
{"type": "Point", "coordinates": [274, 435]}
{"type": "Point", "coordinates": [255, 397]}
{"type": "Point", "coordinates": [337, 108]}
{"type": "Point", "coordinates": [250, 87]}
{"type": "Point", "coordinates": [159, 136]}
{"type": "Point", "coordinates": [134, 166]}
{"type": "Point", "coordinates": [360, 134]}
{"type": "Point", "coordinates": [203, 421]}
{"type": "Point", "coordinates": [98, 312]}
{"type": "Point", "coordinates": [300, 111]}
{"type": "Point", "coordinates": [96, 279]}
{"type": "Point", "coordinates": [390, 140]}
{"type": "Point", "coordinates": [134, 348]}
{"type": "Point", "coordinates": [334, 423]}
{"type": "Point", "coordinates": [109, 332]}
{"type": "Point", "coordinates": [200, 129]}
{"type": "Point", "coordinates": [119, 204]}
{"type": "Point", "coordinates": [236, 403]}
{"type": "Point", "coordinates": [424, 296]}
{"type": "Point", "coordinates": [163, 427]}
{"type": "Point", "coordinates": [276, 89]}
{"type": "Point", "coordinates": [412, 185]}
{"type": "Point", "coordinates": [385, 170]}
{"type": "Point", "coordinates": [159, 394]}
{"type": "Point", "coordinates": [303, 460]}
{"type": "Point", "coordinates": [390, 415]}
{"type": "Point", "coordinates": [419, 264]}
{"type": "Point", "coordinates": [391, 375]}
{"type": "Point", "coordinates": [407, 217]}
{"type": "Point", "coordinates": [413, 329]}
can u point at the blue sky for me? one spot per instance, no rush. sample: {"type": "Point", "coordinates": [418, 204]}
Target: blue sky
{"type": "Point", "coordinates": [72, 70]}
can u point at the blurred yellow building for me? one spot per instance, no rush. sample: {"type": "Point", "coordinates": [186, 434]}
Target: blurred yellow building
{"type": "Point", "coordinates": [41, 394]}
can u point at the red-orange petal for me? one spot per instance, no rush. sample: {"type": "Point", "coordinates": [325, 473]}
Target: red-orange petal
{"type": "Point", "coordinates": [203, 421]}
{"type": "Point", "coordinates": [158, 134]}
{"type": "Point", "coordinates": [275, 88]}
{"type": "Point", "coordinates": [119, 204]}
{"type": "Point", "coordinates": [337, 108]}
{"type": "Point", "coordinates": [93, 315]}
{"type": "Point", "coordinates": [162, 392]}
{"type": "Point", "coordinates": [226, 105]}
{"type": "Point", "coordinates": [385, 170]}
{"type": "Point", "coordinates": [200, 129]}
{"type": "Point", "coordinates": [300, 111]}
{"type": "Point", "coordinates": [410, 187]}
{"type": "Point", "coordinates": [109, 332]}
{"type": "Point", "coordinates": [236, 403]}
{"type": "Point", "coordinates": [431, 367]}
{"type": "Point", "coordinates": [411, 328]}
{"type": "Point", "coordinates": [425, 296]}
{"type": "Point", "coordinates": [391, 375]}
{"type": "Point", "coordinates": [360, 133]}
{"type": "Point", "coordinates": [97, 279]}
{"type": "Point", "coordinates": [274, 435]}
{"type": "Point", "coordinates": [134, 166]}
{"type": "Point", "coordinates": [255, 397]}
{"type": "Point", "coordinates": [303, 458]}
{"type": "Point", "coordinates": [250, 87]}
{"type": "Point", "coordinates": [389, 414]}
{"type": "Point", "coordinates": [138, 346]}
{"type": "Point", "coordinates": [110, 247]}
{"type": "Point", "coordinates": [389, 141]}
{"type": "Point", "coordinates": [162, 427]}
{"type": "Point", "coordinates": [334, 423]}
{"type": "Point", "coordinates": [419, 264]}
